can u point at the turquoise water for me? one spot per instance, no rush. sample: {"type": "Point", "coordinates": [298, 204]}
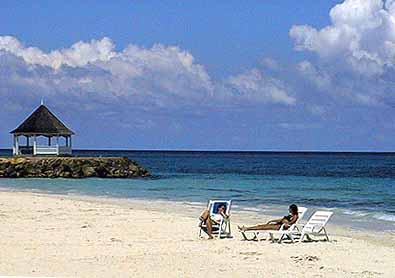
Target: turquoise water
{"type": "Point", "coordinates": [360, 188]}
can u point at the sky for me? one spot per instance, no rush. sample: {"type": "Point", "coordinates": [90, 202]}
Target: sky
{"type": "Point", "coordinates": [204, 75]}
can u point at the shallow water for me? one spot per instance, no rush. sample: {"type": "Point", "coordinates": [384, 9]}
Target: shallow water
{"type": "Point", "coordinates": [359, 187]}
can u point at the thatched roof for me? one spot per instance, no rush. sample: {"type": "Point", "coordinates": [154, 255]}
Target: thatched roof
{"type": "Point", "coordinates": [42, 122]}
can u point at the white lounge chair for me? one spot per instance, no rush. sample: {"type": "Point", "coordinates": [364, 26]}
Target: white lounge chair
{"type": "Point", "coordinates": [294, 227]}
{"type": "Point", "coordinates": [222, 229]}
{"type": "Point", "coordinates": [315, 226]}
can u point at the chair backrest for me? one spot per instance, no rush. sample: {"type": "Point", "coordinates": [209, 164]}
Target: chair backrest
{"type": "Point", "coordinates": [213, 206]}
{"type": "Point", "coordinates": [301, 213]}
{"type": "Point", "coordinates": [317, 221]}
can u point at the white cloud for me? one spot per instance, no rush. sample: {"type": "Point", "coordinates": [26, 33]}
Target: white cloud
{"type": "Point", "coordinates": [317, 110]}
{"type": "Point", "coordinates": [94, 69]}
{"type": "Point", "coordinates": [253, 85]}
{"type": "Point", "coordinates": [79, 54]}
{"type": "Point", "coordinates": [298, 126]}
{"type": "Point", "coordinates": [271, 64]}
{"type": "Point", "coordinates": [161, 76]}
{"type": "Point", "coordinates": [321, 79]}
{"type": "Point", "coordinates": [173, 69]}
{"type": "Point", "coordinates": [362, 34]}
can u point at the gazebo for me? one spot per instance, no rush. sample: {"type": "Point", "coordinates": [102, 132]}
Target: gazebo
{"type": "Point", "coordinates": [42, 122]}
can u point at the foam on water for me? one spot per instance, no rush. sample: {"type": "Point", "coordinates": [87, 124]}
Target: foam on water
{"type": "Point", "coordinates": [385, 217]}
{"type": "Point", "coordinates": [355, 213]}
{"type": "Point", "coordinates": [252, 209]}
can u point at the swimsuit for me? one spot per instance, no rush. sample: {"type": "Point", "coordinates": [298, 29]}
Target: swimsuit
{"type": "Point", "coordinates": [288, 217]}
{"type": "Point", "coordinates": [216, 217]}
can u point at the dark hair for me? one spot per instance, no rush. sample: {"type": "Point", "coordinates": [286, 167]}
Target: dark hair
{"type": "Point", "coordinates": [217, 206]}
{"type": "Point", "coordinates": [294, 209]}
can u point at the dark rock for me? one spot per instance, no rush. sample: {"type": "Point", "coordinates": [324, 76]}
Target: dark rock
{"type": "Point", "coordinates": [70, 167]}
{"type": "Point", "coordinates": [88, 171]}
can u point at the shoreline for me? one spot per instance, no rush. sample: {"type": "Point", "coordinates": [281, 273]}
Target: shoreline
{"type": "Point", "coordinates": [341, 218]}
{"type": "Point", "coordinates": [193, 209]}
{"type": "Point", "coordinates": [80, 236]}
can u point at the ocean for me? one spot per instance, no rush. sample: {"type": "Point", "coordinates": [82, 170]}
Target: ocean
{"type": "Point", "coordinates": [359, 187]}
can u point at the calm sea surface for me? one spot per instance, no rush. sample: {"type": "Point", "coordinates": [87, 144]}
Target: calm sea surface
{"type": "Point", "coordinates": [359, 187]}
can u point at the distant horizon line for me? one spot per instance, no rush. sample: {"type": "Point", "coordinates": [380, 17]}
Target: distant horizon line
{"type": "Point", "coordinates": [230, 151]}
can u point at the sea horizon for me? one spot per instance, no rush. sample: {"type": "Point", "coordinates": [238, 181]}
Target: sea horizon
{"type": "Point", "coordinates": [76, 150]}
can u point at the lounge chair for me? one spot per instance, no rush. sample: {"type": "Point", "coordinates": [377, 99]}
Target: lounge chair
{"type": "Point", "coordinates": [315, 226]}
{"type": "Point", "coordinates": [296, 227]}
{"type": "Point", "coordinates": [221, 229]}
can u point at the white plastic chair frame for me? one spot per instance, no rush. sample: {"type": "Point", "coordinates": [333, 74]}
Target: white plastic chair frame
{"type": "Point", "coordinates": [315, 226]}
{"type": "Point", "coordinates": [221, 229]}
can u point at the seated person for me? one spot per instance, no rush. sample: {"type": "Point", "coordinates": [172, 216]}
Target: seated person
{"type": "Point", "coordinates": [210, 219]}
{"type": "Point", "coordinates": [277, 223]}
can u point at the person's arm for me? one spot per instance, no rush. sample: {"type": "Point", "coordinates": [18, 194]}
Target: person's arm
{"type": "Point", "coordinates": [224, 215]}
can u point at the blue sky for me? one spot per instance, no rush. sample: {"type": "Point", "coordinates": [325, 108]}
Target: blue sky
{"type": "Point", "coordinates": [245, 75]}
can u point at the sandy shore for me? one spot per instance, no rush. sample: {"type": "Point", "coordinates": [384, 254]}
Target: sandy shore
{"type": "Point", "coordinates": [71, 236]}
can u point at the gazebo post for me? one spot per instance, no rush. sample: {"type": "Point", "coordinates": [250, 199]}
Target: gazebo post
{"type": "Point", "coordinates": [57, 145]}
{"type": "Point", "coordinates": [34, 145]}
{"type": "Point", "coordinates": [49, 141]}
{"type": "Point", "coordinates": [27, 141]}
{"type": "Point", "coordinates": [14, 147]}
{"type": "Point", "coordinates": [17, 145]}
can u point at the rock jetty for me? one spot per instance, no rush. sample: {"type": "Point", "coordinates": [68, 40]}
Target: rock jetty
{"type": "Point", "coordinates": [70, 167]}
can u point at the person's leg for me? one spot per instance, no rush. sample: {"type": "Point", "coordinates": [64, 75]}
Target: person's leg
{"type": "Point", "coordinates": [261, 227]}
{"type": "Point", "coordinates": [205, 218]}
{"type": "Point", "coordinates": [204, 215]}
{"type": "Point", "coordinates": [209, 225]}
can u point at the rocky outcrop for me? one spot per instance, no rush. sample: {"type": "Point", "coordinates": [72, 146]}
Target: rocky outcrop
{"type": "Point", "coordinates": [70, 167]}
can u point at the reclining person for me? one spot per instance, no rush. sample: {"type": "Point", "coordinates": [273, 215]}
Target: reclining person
{"type": "Point", "coordinates": [210, 219]}
{"type": "Point", "coordinates": [275, 224]}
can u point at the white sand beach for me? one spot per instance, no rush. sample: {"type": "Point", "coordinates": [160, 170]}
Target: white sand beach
{"type": "Point", "coordinates": [75, 236]}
